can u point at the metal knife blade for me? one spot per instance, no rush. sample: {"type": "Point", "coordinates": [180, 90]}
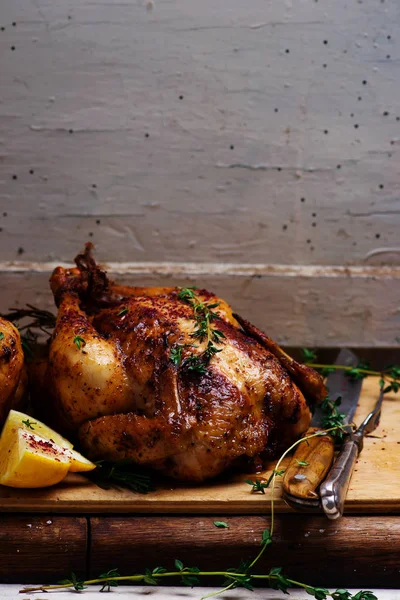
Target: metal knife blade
{"type": "Point", "coordinates": [301, 480]}
{"type": "Point", "coordinates": [339, 385]}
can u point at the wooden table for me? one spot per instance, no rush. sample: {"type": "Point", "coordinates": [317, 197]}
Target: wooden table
{"type": "Point", "coordinates": [79, 527]}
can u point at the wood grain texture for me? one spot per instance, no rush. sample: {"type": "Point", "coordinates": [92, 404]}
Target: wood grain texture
{"type": "Point", "coordinates": [39, 548]}
{"type": "Point", "coordinates": [379, 462]}
{"type": "Point", "coordinates": [297, 306]}
{"type": "Point", "coordinates": [354, 551]}
{"type": "Point", "coordinates": [249, 133]}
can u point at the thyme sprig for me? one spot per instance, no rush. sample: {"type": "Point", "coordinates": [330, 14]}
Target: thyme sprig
{"type": "Point", "coordinates": [259, 485]}
{"type": "Point", "coordinates": [389, 376]}
{"type": "Point", "coordinates": [123, 473]}
{"type": "Point", "coordinates": [243, 576]}
{"type": "Point", "coordinates": [333, 419]}
{"type": "Point", "coordinates": [204, 315]}
{"type": "Point", "coordinates": [190, 576]}
{"type": "Point", "coordinates": [42, 320]}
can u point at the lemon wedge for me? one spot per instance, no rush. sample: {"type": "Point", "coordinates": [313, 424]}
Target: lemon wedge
{"type": "Point", "coordinates": [32, 455]}
{"type": "Point", "coordinates": [79, 463]}
{"type": "Point", "coordinates": [32, 462]}
{"type": "Point", "coordinates": [18, 420]}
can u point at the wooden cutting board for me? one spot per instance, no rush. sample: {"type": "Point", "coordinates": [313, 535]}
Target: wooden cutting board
{"type": "Point", "coordinates": [374, 488]}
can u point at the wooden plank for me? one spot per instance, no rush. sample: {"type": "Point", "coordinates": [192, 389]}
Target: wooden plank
{"type": "Point", "coordinates": [39, 548]}
{"type": "Point", "coordinates": [246, 110]}
{"type": "Point", "coordinates": [298, 306]}
{"type": "Point", "coordinates": [349, 546]}
{"type": "Point", "coordinates": [374, 487]}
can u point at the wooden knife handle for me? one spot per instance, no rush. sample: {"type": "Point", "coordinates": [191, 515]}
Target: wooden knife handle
{"type": "Point", "coordinates": [333, 491]}
{"type": "Point", "coordinates": [310, 463]}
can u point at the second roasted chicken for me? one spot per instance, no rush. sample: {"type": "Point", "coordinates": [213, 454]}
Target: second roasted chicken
{"type": "Point", "coordinates": [168, 377]}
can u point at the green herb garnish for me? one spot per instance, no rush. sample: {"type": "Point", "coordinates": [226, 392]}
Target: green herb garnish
{"type": "Point", "coordinates": [389, 376]}
{"type": "Point", "coordinates": [176, 354]}
{"type": "Point", "coordinates": [204, 315]}
{"type": "Point", "coordinates": [221, 524]}
{"type": "Point", "coordinates": [123, 473]}
{"type": "Point", "coordinates": [29, 424]}
{"type": "Point", "coordinates": [79, 341]}
{"type": "Point", "coordinates": [260, 486]}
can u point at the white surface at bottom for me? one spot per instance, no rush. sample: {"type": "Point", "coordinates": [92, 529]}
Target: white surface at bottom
{"type": "Point", "coordinates": [8, 592]}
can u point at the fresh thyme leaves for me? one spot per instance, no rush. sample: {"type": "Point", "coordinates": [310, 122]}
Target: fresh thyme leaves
{"type": "Point", "coordinates": [210, 351]}
{"type": "Point", "coordinates": [317, 592]}
{"type": "Point", "coordinates": [187, 294]}
{"type": "Point", "coordinates": [392, 371]}
{"type": "Point", "coordinates": [279, 581]}
{"type": "Point", "coordinates": [176, 354]}
{"type": "Point", "coordinates": [29, 424]}
{"type": "Point", "coordinates": [333, 419]}
{"type": "Point", "coordinates": [308, 355]}
{"type": "Point", "coordinates": [176, 351]}
{"type": "Point", "coordinates": [358, 372]}
{"type": "Point", "coordinates": [1, 335]}
{"type": "Point", "coordinates": [74, 582]}
{"type": "Point", "coordinates": [204, 315]}
{"type": "Point", "coordinates": [195, 364]}
{"type": "Point", "coordinates": [123, 473]}
{"type": "Point", "coordinates": [259, 485]}
{"type": "Point", "coordinates": [41, 319]}
{"type": "Point", "coordinates": [266, 538]}
{"type": "Point", "coordinates": [187, 574]}
{"type": "Point", "coordinates": [302, 463]}
{"type": "Point", "coordinates": [389, 376]}
{"type": "Point", "coordinates": [79, 341]}
{"type": "Point", "coordinates": [123, 311]}
{"type": "Point", "coordinates": [111, 582]}
{"type": "Point", "coordinates": [221, 524]}
{"type": "Point", "coordinates": [363, 595]}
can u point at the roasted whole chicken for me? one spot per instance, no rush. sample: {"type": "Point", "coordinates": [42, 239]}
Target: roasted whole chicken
{"type": "Point", "coordinates": [13, 375]}
{"type": "Point", "coordinates": [167, 377]}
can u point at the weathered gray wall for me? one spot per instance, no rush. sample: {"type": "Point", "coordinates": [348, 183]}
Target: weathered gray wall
{"type": "Point", "coordinates": [259, 139]}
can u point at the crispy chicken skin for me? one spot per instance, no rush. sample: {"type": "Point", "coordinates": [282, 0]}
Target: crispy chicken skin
{"type": "Point", "coordinates": [111, 378]}
{"type": "Point", "coordinates": [13, 376]}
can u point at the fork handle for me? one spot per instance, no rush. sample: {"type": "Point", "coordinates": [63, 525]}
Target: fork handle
{"type": "Point", "coordinates": [333, 490]}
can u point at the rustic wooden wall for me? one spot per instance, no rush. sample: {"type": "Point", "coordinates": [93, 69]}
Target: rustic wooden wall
{"type": "Point", "coordinates": [252, 147]}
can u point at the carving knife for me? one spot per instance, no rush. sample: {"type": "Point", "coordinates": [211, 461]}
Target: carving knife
{"type": "Point", "coordinates": [311, 463]}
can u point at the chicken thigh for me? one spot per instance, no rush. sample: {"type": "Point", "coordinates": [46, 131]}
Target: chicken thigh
{"type": "Point", "coordinates": [168, 377]}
